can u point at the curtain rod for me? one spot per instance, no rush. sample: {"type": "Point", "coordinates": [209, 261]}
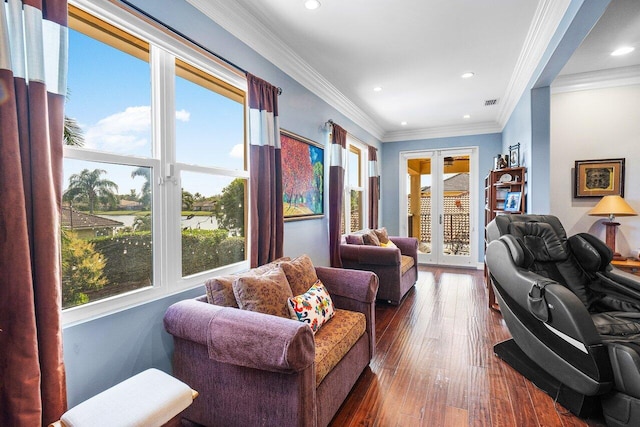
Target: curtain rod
{"type": "Point", "coordinates": [189, 39]}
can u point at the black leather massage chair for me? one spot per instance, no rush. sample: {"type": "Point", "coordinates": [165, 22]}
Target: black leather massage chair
{"type": "Point", "coordinates": [574, 319]}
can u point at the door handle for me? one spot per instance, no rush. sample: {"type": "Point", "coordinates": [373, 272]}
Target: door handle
{"type": "Point", "coordinates": [440, 219]}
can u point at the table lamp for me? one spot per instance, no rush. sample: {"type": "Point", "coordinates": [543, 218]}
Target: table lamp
{"type": "Point", "coordinates": [612, 206]}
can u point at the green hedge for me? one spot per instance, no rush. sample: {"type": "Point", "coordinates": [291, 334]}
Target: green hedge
{"type": "Point", "coordinates": [129, 258]}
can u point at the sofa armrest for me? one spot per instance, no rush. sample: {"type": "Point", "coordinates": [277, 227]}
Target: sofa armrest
{"type": "Point", "coordinates": [407, 245]}
{"type": "Point", "coordinates": [358, 285]}
{"type": "Point", "coordinates": [369, 254]}
{"type": "Point", "coordinates": [243, 338]}
{"type": "Point", "coordinates": [353, 290]}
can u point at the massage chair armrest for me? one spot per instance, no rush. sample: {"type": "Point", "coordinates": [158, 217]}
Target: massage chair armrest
{"type": "Point", "coordinates": [621, 282]}
{"type": "Point", "coordinates": [243, 338]}
{"type": "Point", "coordinates": [565, 312]}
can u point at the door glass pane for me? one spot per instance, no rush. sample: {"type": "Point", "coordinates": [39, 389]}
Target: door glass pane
{"type": "Point", "coordinates": [455, 215]}
{"type": "Point", "coordinates": [419, 202]}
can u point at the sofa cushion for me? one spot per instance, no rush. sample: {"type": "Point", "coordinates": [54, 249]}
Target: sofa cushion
{"type": "Point", "coordinates": [370, 238]}
{"type": "Point", "coordinates": [406, 262]}
{"type": "Point", "coordinates": [314, 307]}
{"type": "Point", "coordinates": [335, 339]}
{"type": "Point", "coordinates": [382, 234]}
{"type": "Point", "coordinates": [354, 239]}
{"type": "Point", "coordinates": [301, 274]}
{"type": "Point", "coordinates": [267, 293]}
{"type": "Point", "coordinates": [220, 289]}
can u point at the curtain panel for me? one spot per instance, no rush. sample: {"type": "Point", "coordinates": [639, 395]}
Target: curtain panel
{"type": "Point", "coordinates": [267, 219]}
{"type": "Point", "coordinates": [336, 191]}
{"type": "Point", "coordinates": [374, 187]}
{"type": "Point", "coordinates": [33, 61]}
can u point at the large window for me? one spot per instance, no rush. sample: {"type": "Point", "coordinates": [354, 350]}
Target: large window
{"type": "Point", "coordinates": [354, 213]}
{"type": "Point", "coordinates": [155, 169]}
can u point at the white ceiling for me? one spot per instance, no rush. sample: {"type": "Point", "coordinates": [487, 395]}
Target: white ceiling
{"type": "Point", "coordinates": [416, 50]}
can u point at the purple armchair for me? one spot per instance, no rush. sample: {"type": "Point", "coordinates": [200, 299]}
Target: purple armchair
{"type": "Point", "coordinates": [396, 268]}
{"type": "Point", "coordinates": [257, 369]}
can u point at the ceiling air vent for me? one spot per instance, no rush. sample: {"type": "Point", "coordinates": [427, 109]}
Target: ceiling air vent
{"type": "Point", "coordinates": [490, 102]}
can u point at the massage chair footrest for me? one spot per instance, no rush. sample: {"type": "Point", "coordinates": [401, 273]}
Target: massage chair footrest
{"type": "Point", "coordinates": [579, 404]}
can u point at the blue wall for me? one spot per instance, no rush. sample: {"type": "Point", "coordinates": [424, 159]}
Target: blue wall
{"type": "Point", "coordinates": [104, 351]}
{"type": "Point", "coordinates": [529, 123]}
{"type": "Point", "coordinates": [488, 147]}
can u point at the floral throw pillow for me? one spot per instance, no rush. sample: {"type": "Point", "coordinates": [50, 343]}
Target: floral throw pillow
{"type": "Point", "coordinates": [314, 307]}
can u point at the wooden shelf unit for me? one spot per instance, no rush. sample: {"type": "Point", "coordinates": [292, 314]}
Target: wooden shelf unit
{"type": "Point", "coordinates": [495, 189]}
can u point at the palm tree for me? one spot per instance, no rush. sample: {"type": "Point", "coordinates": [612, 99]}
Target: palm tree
{"type": "Point", "coordinates": [72, 132]}
{"type": "Point", "coordinates": [144, 172]}
{"type": "Point", "coordinates": [87, 185]}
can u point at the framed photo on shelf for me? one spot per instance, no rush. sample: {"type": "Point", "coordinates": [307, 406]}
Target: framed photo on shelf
{"type": "Point", "coordinates": [512, 201]}
{"type": "Point", "coordinates": [597, 178]}
{"type": "Point", "coordinates": [514, 155]}
{"type": "Point", "coordinates": [302, 177]}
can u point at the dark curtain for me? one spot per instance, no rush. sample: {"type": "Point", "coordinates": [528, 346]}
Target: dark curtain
{"type": "Point", "coordinates": [336, 191]}
{"type": "Point", "coordinates": [33, 60]}
{"type": "Point", "coordinates": [374, 187]}
{"type": "Point", "coordinates": [267, 220]}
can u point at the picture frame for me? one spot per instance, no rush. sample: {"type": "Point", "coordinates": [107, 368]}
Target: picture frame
{"type": "Point", "coordinates": [514, 155]}
{"type": "Point", "coordinates": [302, 177]}
{"type": "Point", "coordinates": [512, 201]}
{"type": "Point", "coordinates": [598, 178]}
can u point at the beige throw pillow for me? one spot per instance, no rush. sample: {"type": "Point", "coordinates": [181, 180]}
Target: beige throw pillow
{"type": "Point", "coordinates": [301, 274]}
{"type": "Point", "coordinates": [268, 293]}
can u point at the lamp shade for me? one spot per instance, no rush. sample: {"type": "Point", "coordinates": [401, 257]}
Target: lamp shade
{"type": "Point", "coordinates": [612, 206]}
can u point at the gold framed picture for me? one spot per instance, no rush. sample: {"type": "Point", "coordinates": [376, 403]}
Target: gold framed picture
{"type": "Point", "coordinates": [597, 178]}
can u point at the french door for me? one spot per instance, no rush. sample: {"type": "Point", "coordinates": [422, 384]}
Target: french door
{"type": "Point", "coordinates": [438, 204]}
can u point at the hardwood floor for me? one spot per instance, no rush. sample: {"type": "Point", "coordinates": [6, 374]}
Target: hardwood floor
{"type": "Point", "coordinates": [435, 364]}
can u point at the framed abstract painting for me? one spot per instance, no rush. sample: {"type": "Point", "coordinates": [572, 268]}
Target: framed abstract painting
{"type": "Point", "coordinates": [302, 177]}
{"type": "Point", "coordinates": [597, 178]}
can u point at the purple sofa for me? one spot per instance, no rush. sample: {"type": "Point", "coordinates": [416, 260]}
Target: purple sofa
{"type": "Point", "coordinates": [396, 268]}
{"type": "Point", "coordinates": [257, 369]}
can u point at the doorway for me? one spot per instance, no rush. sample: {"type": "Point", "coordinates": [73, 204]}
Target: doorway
{"type": "Point", "coordinates": [438, 204]}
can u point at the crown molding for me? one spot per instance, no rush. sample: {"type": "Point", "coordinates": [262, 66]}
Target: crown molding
{"type": "Point", "coordinates": [443, 132]}
{"type": "Point", "coordinates": [543, 26]}
{"type": "Point", "coordinates": [247, 28]}
{"type": "Point", "coordinates": [600, 79]}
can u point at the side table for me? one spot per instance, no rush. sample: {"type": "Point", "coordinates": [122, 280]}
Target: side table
{"type": "Point", "coordinates": [630, 265]}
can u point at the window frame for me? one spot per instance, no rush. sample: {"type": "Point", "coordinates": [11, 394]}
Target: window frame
{"type": "Point", "coordinates": [358, 147]}
{"type": "Point", "coordinates": [164, 49]}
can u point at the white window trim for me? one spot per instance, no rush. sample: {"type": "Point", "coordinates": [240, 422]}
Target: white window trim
{"type": "Point", "coordinates": [167, 279]}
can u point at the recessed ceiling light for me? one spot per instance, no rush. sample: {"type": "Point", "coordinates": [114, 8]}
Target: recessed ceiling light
{"type": "Point", "coordinates": [467, 75]}
{"type": "Point", "coordinates": [466, 116]}
{"type": "Point", "coordinates": [622, 51]}
{"type": "Point", "coordinates": [312, 4]}
{"type": "Point", "coordinates": [377, 89]}
{"type": "Point", "coordinates": [403, 123]}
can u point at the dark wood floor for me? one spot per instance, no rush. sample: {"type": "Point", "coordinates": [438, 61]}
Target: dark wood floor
{"type": "Point", "coordinates": [435, 364]}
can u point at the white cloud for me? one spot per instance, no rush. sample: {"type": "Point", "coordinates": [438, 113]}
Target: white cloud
{"type": "Point", "coordinates": [183, 115]}
{"type": "Point", "coordinates": [127, 131]}
{"type": "Point", "coordinates": [237, 151]}
{"type": "Point", "coordinates": [122, 132]}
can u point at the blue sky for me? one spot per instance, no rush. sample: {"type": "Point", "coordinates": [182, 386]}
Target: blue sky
{"type": "Point", "coordinates": [110, 98]}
